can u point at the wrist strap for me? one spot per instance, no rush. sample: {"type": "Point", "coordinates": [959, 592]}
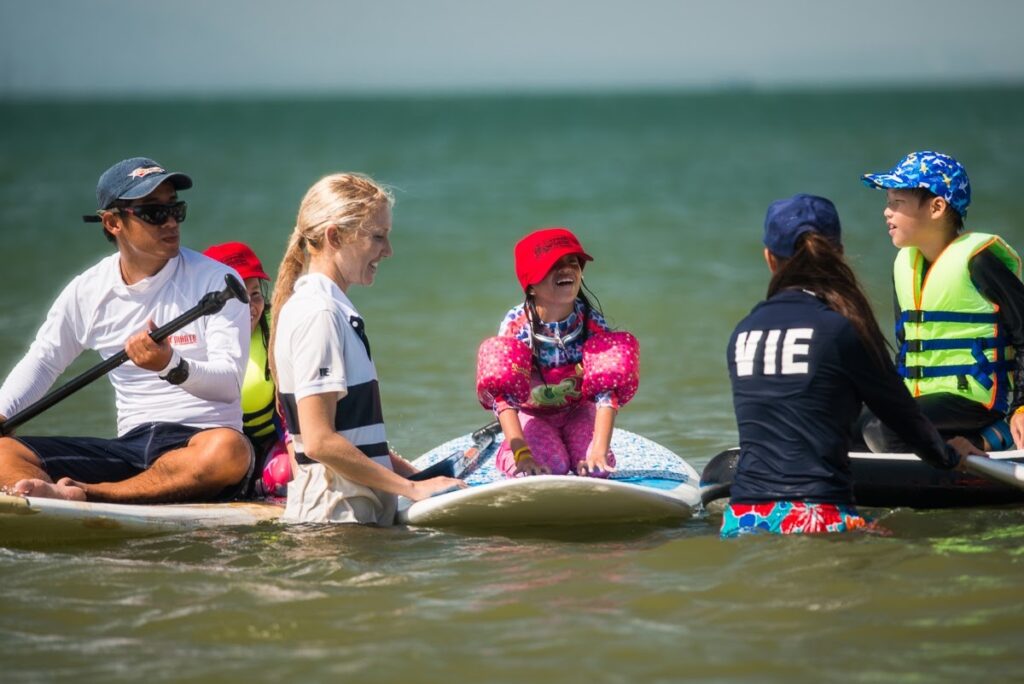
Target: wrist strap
{"type": "Point", "coordinates": [171, 365]}
{"type": "Point", "coordinates": [521, 453]}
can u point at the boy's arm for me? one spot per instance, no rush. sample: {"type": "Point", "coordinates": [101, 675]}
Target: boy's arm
{"type": "Point", "coordinates": [1000, 286]}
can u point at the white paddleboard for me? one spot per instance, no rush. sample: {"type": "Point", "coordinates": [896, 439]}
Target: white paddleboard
{"type": "Point", "coordinates": [997, 456]}
{"type": "Point", "coordinates": [652, 484]}
{"type": "Point", "coordinates": [35, 519]}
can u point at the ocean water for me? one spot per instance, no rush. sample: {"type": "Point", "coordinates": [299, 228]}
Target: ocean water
{"type": "Point", "coordinates": [668, 193]}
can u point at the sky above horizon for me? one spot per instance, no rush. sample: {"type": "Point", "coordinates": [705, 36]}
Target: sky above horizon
{"type": "Point", "coordinates": [115, 47]}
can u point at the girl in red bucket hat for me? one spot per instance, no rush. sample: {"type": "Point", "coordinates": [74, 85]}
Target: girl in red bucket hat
{"type": "Point", "coordinates": [556, 374]}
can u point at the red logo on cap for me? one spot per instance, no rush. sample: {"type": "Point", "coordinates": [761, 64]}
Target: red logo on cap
{"type": "Point", "coordinates": [554, 243]}
{"type": "Point", "coordinates": [145, 171]}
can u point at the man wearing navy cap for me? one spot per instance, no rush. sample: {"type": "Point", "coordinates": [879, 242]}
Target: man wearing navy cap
{"type": "Point", "coordinates": [178, 409]}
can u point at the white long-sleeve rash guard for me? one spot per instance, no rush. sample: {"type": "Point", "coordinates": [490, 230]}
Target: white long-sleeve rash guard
{"type": "Point", "coordinates": [98, 311]}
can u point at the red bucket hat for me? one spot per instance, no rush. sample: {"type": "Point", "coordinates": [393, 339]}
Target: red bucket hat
{"type": "Point", "coordinates": [537, 253]}
{"type": "Point", "coordinates": [240, 257]}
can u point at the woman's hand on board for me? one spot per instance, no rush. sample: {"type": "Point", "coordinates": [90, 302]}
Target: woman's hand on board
{"type": "Point", "coordinates": [424, 489]}
{"type": "Point", "coordinates": [964, 448]}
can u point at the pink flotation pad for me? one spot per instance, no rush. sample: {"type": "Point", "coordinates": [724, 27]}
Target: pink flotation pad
{"type": "Point", "coordinates": [502, 371]}
{"type": "Point", "coordinates": [277, 472]}
{"type": "Point", "coordinates": [611, 362]}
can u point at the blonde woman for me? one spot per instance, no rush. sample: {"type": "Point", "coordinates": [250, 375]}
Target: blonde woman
{"type": "Point", "coordinates": [323, 364]}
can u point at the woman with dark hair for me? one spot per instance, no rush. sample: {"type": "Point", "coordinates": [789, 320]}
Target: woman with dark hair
{"type": "Point", "coordinates": [801, 363]}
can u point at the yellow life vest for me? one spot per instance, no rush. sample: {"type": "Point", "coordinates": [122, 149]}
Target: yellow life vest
{"type": "Point", "coordinates": [257, 392]}
{"type": "Point", "coordinates": [952, 341]}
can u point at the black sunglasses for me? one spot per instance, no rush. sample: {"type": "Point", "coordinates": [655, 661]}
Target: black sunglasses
{"type": "Point", "coordinates": [153, 214]}
{"type": "Point", "coordinates": [157, 214]}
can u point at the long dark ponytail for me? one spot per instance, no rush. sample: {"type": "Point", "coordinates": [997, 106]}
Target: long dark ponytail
{"type": "Point", "coordinates": [818, 266]}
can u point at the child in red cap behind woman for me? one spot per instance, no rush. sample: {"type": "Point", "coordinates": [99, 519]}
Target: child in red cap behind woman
{"type": "Point", "coordinates": [556, 374]}
{"type": "Point", "coordinates": [260, 420]}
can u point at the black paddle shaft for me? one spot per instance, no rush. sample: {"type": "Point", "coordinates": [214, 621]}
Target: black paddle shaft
{"type": "Point", "coordinates": [461, 463]}
{"type": "Point", "coordinates": [211, 303]}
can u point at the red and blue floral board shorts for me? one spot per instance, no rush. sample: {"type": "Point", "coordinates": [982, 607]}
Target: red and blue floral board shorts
{"type": "Point", "coordinates": [789, 517]}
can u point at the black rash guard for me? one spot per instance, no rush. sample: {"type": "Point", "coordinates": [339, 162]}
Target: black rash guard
{"type": "Point", "coordinates": [799, 374]}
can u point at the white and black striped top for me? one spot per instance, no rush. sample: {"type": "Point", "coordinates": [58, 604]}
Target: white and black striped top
{"type": "Point", "coordinates": [321, 347]}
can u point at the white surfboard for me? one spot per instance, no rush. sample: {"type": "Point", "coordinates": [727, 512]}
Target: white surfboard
{"type": "Point", "coordinates": [652, 484]}
{"type": "Point", "coordinates": [33, 519]}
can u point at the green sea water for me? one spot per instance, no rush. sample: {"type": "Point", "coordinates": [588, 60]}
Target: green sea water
{"type": "Point", "coordinates": [668, 193]}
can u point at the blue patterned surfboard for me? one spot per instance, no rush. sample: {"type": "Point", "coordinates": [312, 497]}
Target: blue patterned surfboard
{"type": "Point", "coordinates": [652, 484]}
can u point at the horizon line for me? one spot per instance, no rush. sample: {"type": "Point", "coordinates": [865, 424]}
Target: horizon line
{"type": "Point", "coordinates": [499, 92]}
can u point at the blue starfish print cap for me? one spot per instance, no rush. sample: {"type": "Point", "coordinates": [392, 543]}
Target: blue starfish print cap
{"type": "Point", "coordinates": [938, 173]}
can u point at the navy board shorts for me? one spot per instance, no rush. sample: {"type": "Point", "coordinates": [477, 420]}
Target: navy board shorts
{"type": "Point", "coordinates": [94, 459]}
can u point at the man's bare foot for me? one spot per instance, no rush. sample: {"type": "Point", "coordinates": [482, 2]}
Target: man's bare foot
{"type": "Point", "coordinates": [65, 488]}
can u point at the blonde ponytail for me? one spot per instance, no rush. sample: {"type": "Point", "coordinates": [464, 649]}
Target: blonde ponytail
{"type": "Point", "coordinates": [344, 200]}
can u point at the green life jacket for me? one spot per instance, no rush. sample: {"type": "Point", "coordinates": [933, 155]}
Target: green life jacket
{"type": "Point", "coordinates": [952, 342]}
{"type": "Point", "coordinates": [257, 392]}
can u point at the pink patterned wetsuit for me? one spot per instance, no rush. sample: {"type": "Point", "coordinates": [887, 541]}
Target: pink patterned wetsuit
{"type": "Point", "coordinates": [558, 423]}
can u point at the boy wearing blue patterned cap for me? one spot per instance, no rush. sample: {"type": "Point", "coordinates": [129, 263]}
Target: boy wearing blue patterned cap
{"type": "Point", "coordinates": [959, 307]}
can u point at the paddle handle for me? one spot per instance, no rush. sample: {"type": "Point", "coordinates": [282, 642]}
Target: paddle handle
{"type": "Point", "coordinates": [211, 302]}
{"type": "Point", "coordinates": [1003, 471]}
{"type": "Point", "coordinates": [461, 463]}
{"type": "Point", "coordinates": [482, 440]}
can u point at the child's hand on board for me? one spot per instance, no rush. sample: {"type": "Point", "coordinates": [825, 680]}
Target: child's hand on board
{"type": "Point", "coordinates": [596, 464]}
{"type": "Point", "coordinates": [525, 465]}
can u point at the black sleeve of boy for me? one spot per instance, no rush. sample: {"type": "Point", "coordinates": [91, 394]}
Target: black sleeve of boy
{"type": "Point", "coordinates": [1002, 287]}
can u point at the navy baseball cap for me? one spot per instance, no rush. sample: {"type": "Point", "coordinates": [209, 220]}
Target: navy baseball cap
{"type": "Point", "coordinates": [788, 219]}
{"type": "Point", "coordinates": [133, 179]}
